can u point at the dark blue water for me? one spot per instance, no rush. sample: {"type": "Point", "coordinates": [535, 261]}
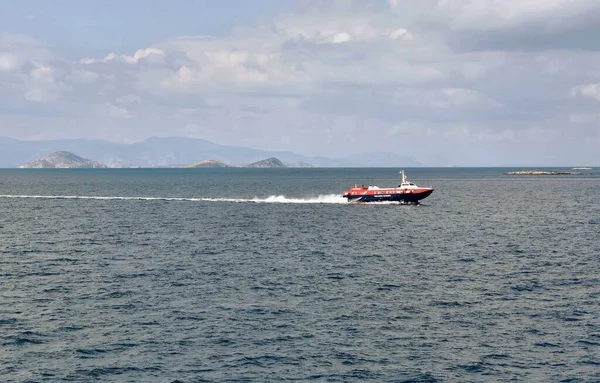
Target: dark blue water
{"type": "Point", "coordinates": [266, 275]}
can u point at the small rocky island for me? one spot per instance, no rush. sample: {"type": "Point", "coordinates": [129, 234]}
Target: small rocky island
{"type": "Point", "coordinates": [542, 173]}
{"type": "Point", "coordinates": [62, 160]}
{"type": "Point", "coordinates": [268, 163]}
{"type": "Point", "coordinates": [208, 164]}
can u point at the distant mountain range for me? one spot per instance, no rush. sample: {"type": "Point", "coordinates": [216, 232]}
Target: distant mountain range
{"type": "Point", "coordinates": [68, 160]}
{"type": "Point", "coordinates": [179, 151]}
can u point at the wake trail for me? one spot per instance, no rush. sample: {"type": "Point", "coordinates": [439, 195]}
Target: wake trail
{"type": "Point", "coordinates": [321, 199]}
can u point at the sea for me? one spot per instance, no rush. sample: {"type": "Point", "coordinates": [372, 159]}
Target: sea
{"type": "Point", "coordinates": [268, 275]}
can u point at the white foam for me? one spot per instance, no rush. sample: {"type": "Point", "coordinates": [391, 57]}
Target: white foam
{"type": "Point", "coordinates": [323, 199]}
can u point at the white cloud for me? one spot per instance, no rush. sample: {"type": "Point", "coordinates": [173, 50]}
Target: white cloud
{"type": "Point", "coordinates": [400, 33]}
{"type": "Point", "coordinates": [589, 90]}
{"type": "Point", "coordinates": [42, 74]}
{"type": "Point", "coordinates": [8, 62]}
{"type": "Point", "coordinates": [341, 37]}
{"type": "Point", "coordinates": [138, 56]}
{"type": "Point", "coordinates": [489, 73]}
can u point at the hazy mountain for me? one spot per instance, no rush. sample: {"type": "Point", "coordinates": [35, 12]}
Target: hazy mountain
{"type": "Point", "coordinates": [268, 163]}
{"type": "Point", "coordinates": [157, 152]}
{"type": "Point", "coordinates": [208, 164]}
{"type": "Point", "coordinates": [63, 160]}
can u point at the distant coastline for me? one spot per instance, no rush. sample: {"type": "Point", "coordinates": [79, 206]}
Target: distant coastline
{"type": "Point", "coordinates": [64, 160]}
{"type": "Point", "coordinates": [542, 173]}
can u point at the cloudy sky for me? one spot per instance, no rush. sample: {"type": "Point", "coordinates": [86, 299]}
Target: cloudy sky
{"type": "Point", "coordinates": [463, 82]}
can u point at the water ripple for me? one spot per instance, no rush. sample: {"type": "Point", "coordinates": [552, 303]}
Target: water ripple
{"type": "Point", "coordinates": [469, 288]}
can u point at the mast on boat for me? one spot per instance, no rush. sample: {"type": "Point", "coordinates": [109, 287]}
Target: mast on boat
{"type": "Point", "coordinates": [403, 180]}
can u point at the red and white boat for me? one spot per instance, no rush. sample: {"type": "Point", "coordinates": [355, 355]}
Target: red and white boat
{"type": "Point", "coordinates": [406, 192]}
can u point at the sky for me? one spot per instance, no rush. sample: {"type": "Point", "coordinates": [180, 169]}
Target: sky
{"type": "Point", "coordinates": [450, 82]}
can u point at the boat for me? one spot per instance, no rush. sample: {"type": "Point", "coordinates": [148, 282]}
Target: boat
{"type": "Point", "coordinates": [407, 192]}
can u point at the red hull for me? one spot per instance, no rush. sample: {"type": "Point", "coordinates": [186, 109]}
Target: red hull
{"type": "Point", "coordinates": [406, 192]}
